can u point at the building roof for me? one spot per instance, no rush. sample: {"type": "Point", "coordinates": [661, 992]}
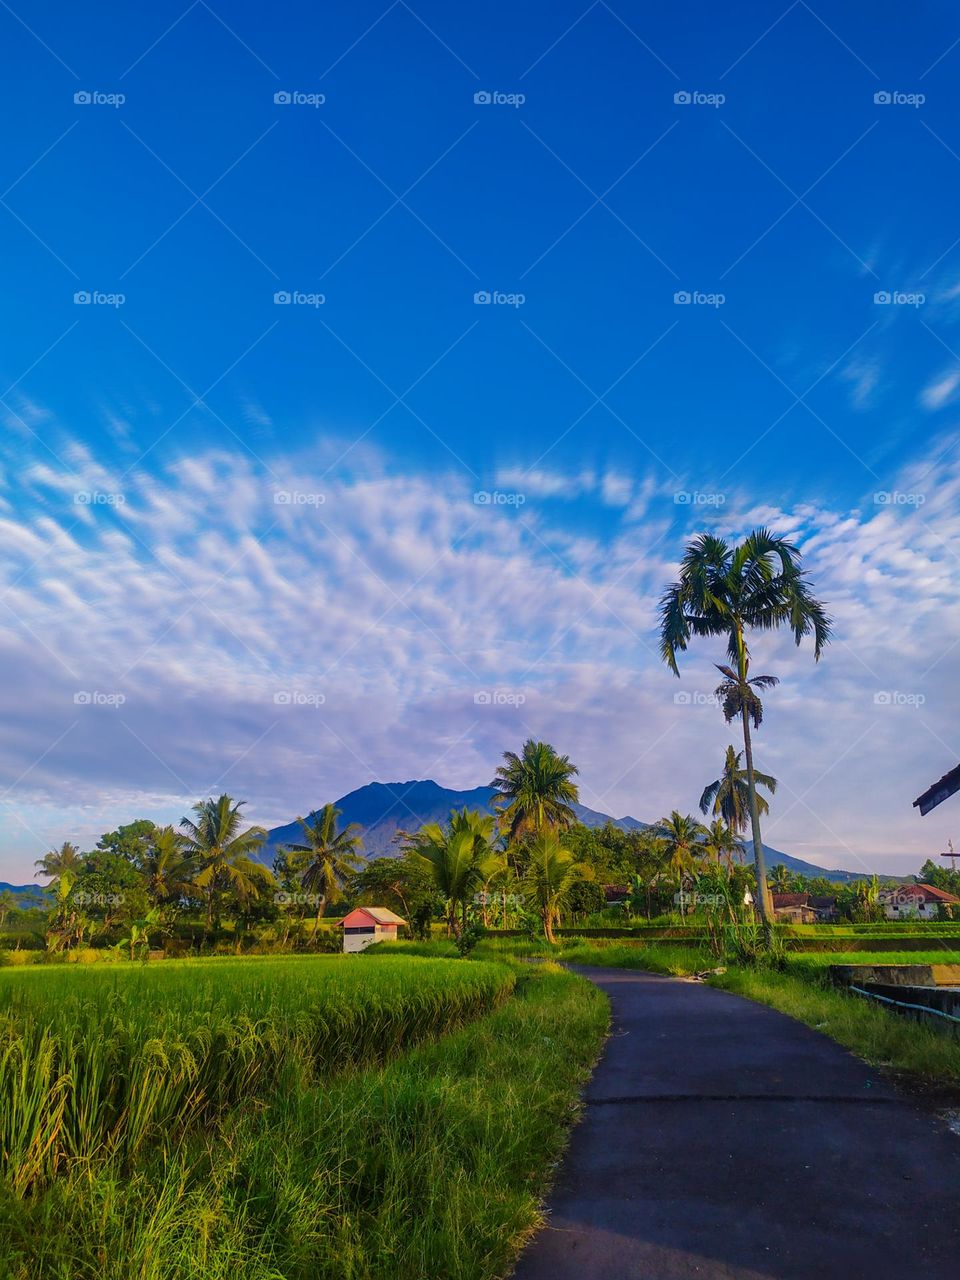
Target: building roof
{"type": "Point", "coordinates": [822, 903]}
{"type": "Point", "coordinates": [928, 892]}
{"type": "Point", "coordinates": [940, 791]}
{"type": "Point", "coordinates": [377, 915]}
{"type": "Point", "coordinates": [790, 900]}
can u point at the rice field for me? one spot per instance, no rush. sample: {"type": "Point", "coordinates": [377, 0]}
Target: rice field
{"type": "Point", "coordinates": [101, 1064]}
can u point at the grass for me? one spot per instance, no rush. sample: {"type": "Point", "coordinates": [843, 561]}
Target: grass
{"type": "Point", "coordinates": [433, 1163]}
{"type": "Point", "coordinates": [815, 960]}
{"type": "Point", "coordinates": [101, 1063]}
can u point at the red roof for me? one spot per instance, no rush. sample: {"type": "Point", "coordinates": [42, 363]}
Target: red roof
{"type": "Point", "coordinates": [925, 892]}
{"type": "Point", "coordinates": [790, 900]}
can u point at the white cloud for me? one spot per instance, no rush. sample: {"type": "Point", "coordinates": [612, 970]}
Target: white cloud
{"type": "Point", "coordinates": [941, 391]}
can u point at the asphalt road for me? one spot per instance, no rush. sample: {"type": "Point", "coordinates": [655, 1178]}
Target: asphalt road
{"type": "Point", "coordinates": [724, 1141]}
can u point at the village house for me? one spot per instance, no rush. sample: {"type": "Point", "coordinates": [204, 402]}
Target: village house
{"type": "Point", "coordinates": [366, 925]}
{"type": "Point", "coordinates": [917, 902]}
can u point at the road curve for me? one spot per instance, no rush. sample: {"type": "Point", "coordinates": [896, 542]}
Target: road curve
{"type": "Point", "coordinates": [724, 1141]}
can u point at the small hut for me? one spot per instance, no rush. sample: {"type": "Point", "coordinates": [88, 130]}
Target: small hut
{"type": "Point", "coordinates": [369, 924]}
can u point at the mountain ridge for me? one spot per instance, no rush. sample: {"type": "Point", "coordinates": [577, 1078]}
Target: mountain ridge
{"type": "Point", "coordinates": [383, 809]}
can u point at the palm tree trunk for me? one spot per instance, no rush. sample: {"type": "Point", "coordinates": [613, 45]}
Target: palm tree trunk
{"type": "Point", "coordinates": [548, 925]}
{"type": "Point", "coordinates": [764, 903]}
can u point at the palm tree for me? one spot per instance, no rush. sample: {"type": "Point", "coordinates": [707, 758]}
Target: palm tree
{"type": "Point", "coordinates": [550, 874]}
{"type": "Point", "coordinates": [165, 866]}
{"type": "Point", "coordinates": [781, 880]}
{"type": "Point", "coordinates": [535, 790]}
{"type": "Point", "coordinates": [682, 838]}
{"type": "Point", "coordinates": [222, 852]}
{"type": "Point", "coordinates": [460, 857]}
{"type": "Point", "coordinates": [728, 796]}
{"type": "Point", "coordinates": [66, 858]}
{"type": "Point", "coordinates": [720, 843]}
{"type": "Point", "coordinates": [332, 857]}
{"type": "Point", "coordinates": [725, 591]}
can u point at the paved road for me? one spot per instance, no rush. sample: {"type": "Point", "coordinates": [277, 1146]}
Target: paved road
{"type": "Point", "coordinates": [724, 1141]}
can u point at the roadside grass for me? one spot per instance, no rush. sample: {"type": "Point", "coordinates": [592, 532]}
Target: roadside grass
{"type": "Point", "coordinates": [433, 1164]}
{"type": "Point", "coordinates": [100, 1063]}
{"type": "Point", "coordinates": [881, 1038]}
{"type": "Point", "coordinates": [817, 960]}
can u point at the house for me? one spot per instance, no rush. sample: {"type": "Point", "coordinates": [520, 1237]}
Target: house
{"type": "Point", "coordinates": [825, 908]}
{"type": "Point", "coordinates": [369, 924]}
{"type": "Point", "coordinates": [794, 908]}
{"type": "Point", "coordinates": [615, 893]}
{"type": "Point", "coordinates": [916, 902]}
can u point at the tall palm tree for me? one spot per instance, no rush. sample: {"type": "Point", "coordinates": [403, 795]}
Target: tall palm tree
{"type": "Point", "coordinates": [550, 874]}
{"type": "Point", "coordinates": [721, 844]}
{"type": "Point", "coordinates": [460, 857]}
{"type": "Point", "coordinates": [726, 590]}
{"type": "Point", "coordinates": [682, 837]}
{"type": "Point", "coordinates": [222, 853]}
{"type": "Point", "coordinates": [66, 858]}
{"type": "Point", "coordinates": [165, 866]}
{"type": "Point", "coordinates": [535, 790]}
{"type": "Point", "coordinates": [332, 857]}
{"type": "Point", "coordinates": [728, 796]}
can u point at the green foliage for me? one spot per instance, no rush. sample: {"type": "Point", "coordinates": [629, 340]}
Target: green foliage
{"type": "Point", "coordinates": [535, 790]}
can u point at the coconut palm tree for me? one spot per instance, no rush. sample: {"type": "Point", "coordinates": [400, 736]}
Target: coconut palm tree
{"type": "Point", "coordinates": [535, 790]}
{"type": "Point", "coordinates": [332, 857]}
{"type": "Point", "coordinates": [728, 796]}
{"type": "Point", "coordinates": [781, 881]}
{"type": "Point", "coordinates": [721, 844]}
{"type": "Point", "coordinates": [222, 853]}
{"type": "Point", "coordinates": [728, 591]}
{"type": "Point", "coordinates": [67, 858]}
{"type": "Point", "coordinates": [165, 866]}
{"type": "Point", "coordinates": [550, 874]}
{"type": "Point", "coordinates": [460, 857]}
{"type": "Point", "coordinates": [682, 837]}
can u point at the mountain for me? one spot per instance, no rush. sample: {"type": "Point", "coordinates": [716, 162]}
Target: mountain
{"type": "Point", "coordinates": [32, 890]}
{"type": "Point", "coordinates": [382, 809]}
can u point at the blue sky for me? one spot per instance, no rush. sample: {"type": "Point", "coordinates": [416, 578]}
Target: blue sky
{"type": "Point", "coordinates": [782, 198]}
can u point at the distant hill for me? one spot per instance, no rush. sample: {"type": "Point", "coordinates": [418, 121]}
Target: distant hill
{"type": "Point", "coordinates": [382, 809]}
{"type": "Point", "coordinates": [33, 890]}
